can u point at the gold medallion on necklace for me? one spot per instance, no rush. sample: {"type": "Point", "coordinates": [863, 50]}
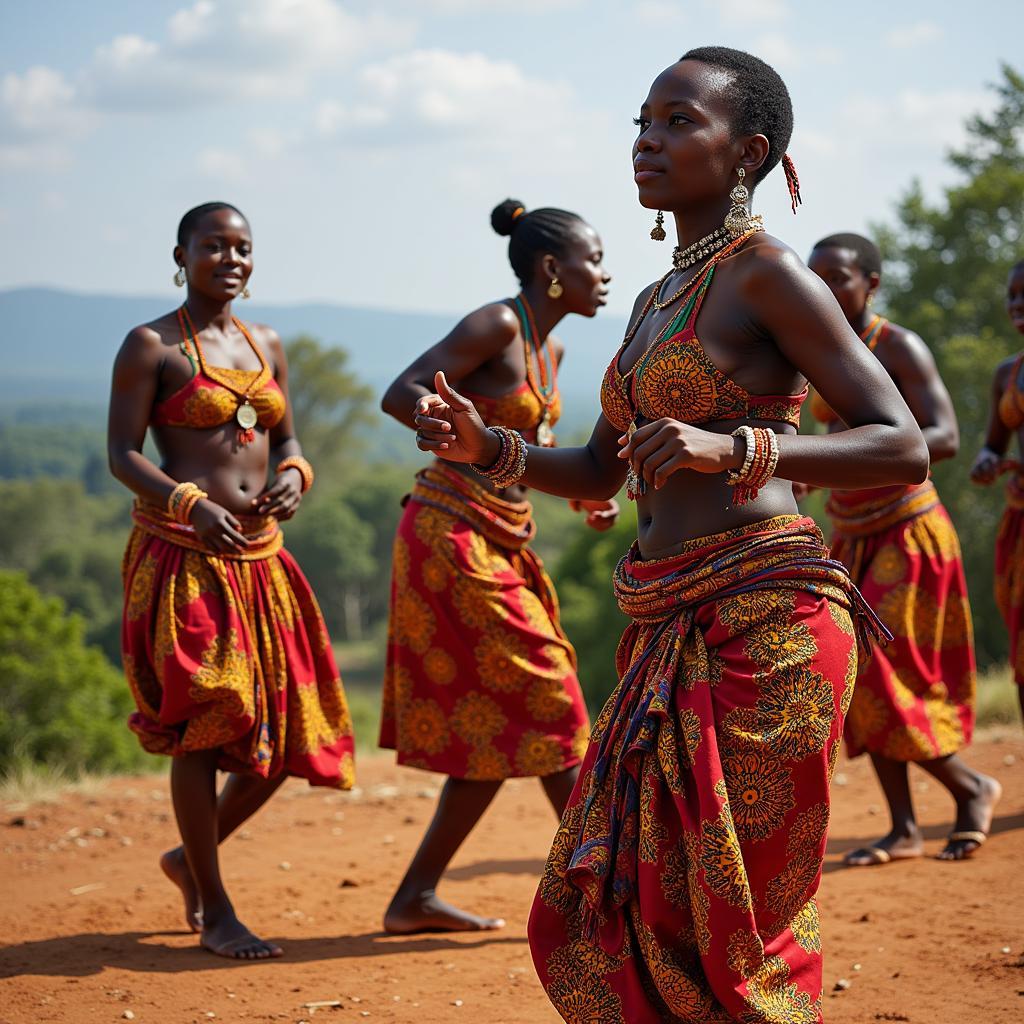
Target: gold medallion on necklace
{"type": "Point", "coordinates": [246, 415]}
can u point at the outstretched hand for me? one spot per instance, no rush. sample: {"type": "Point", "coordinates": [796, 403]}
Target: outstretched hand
{"type": "Point", "coordinates": [449, 425]}
{"type": "Point", "coordinates": [601, 515]}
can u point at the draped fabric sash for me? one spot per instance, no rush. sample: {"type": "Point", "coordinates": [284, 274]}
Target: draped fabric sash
{"type": "Point", "coordinates": [785, 553]}
{"type": "Point", "coordinates": [262, 532]}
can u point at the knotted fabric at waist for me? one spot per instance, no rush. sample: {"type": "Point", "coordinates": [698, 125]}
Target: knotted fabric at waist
{"type": "Point", "coordinates": [507, 524]}
{"type": "Point", "coordinates": [263, 533]}
{"type": "Point", "coordinates": [866, 512]}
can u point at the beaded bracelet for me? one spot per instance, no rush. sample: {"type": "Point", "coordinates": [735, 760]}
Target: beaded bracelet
{"type": "Point", "coordinates": [182, 500]}
{"type": "Point", "coordinates": [747, 433]}
{"type": "Point", "coordinates": [302, 465]}
{"type": "Point", "coordinates": [759, 465]}
{"type": "Point", "coordinates": [510, 465]}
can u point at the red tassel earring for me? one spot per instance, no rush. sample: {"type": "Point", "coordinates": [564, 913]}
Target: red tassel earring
{"type": "Point", "coordinates": [792, 181]}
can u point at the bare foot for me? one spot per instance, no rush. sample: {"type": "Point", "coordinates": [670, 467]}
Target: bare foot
{"type": "Point", "coordinates": [175, 867]}
{"type": "Point", "coordinates": [973, 821]}
{"type": "Point", "coordinates": [230, 938]}
{"type": "Point", "coordinates": [894, 846]}
{"type": "Point", "coordinates": [427, 913]}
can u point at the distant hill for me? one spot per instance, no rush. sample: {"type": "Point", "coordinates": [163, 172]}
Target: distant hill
{"type": "Point", "coordinates": [59, 346]}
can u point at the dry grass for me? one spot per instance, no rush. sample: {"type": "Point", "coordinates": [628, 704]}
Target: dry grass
{"type": "Point", "coordinates": [997, 698]}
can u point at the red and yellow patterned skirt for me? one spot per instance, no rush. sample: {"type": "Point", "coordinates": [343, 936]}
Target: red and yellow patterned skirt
{"type": "Point", "coordinates": [231, 653]}
{"type": "Point", "coordinates": [480, 681]}
{"type": "Point", "coordinates": [681, 882]}
{"type": "Point", "coordinates": [915, 700]}
{"type": "Point", "coordinates": [1010, 573]}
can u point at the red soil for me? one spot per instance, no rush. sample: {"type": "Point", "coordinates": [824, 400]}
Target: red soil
{"type": "Point", "coordinates": [92, 932]}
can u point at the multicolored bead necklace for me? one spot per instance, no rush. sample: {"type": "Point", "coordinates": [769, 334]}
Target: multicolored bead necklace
{"type": "Point", "coordinates": [546, 389]}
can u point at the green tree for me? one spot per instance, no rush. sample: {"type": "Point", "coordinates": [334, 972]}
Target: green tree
{"type": "Point", "coordinates": [590, 615]}
{"type": "Point", "coordinates": [946, 267]}
{"type": "Point", "coordinates": [61, 701]}
{"type": "Point", "coordinates": [329, 404]}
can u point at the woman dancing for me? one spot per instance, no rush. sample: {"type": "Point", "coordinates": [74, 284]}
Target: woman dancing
{"type": "Point", "coordinates": [224, 647]}
{"type": "Point", "coordinates": [914, 700]}
{"type": "Point", "coordinates": [1006, 421]}
{"type": "Point", "coordinates": [481, 681]}
{"type": "Point", "coordinates": [681, 882]}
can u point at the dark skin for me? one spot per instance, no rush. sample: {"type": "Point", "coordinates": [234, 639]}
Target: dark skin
{"type": "Point", "coordinates": [998, 437]}
{"type": "Point", "coordinates": [909, 363]}
{"type": "Point", "coordinates": [149, 368]}
{"type": "Point", "coordinates": [486, 354]}
{"type": "Point", "coordinates": [767, 322]}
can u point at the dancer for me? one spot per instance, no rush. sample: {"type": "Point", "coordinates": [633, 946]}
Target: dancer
{"type": "Point", "coordinates": [481, 681]}
{"type": "Point", "coordinates": [1006, 421]}
{"type": "Point", "coordinates": [224, 647]}
{"type": "Point", "coordinates": [681, 882]}
{"type": "Point", "coordinates": [914, 700]}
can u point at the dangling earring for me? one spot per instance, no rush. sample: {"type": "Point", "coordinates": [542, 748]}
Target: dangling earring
{"type": "Point", "coordinates": [658, 231]}
{"type": "Point", "coordinates": [555, 289]}
{"type": "Point", "coordinates": [179, 277]}
{"type": "Point", "coordinates": [246, 293]}
{"type": "Point", "coordinates": [871, 298]}
{"type": "Point", "coordinates": [737, 220]}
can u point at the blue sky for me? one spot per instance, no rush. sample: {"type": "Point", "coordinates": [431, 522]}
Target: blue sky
{"type": "Point", "coordinates": [367, 142]}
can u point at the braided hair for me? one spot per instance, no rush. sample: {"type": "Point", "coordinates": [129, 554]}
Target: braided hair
{"type": "Point", "coordinates": [533, 233]}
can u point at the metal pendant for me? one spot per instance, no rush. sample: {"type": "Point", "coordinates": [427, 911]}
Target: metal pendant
{"type": "Point", "coordinates": [246, 416]}
{"type": "Point", "coordinates": [545, 435]}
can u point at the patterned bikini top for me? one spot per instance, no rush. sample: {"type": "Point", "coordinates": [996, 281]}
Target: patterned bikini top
{"type": "Point", "coordinates": [519, 409]}
{"type": "Point", "coordinates": [874, 333]}
{"type": "Point", "coordinates": [1011, 402]}
{"type": "Point", "coordinates": [676, 378]}
{"type": "Point", "coordinates": [203, 403]}
{"type": "Point", "coordinates": [213, 396]}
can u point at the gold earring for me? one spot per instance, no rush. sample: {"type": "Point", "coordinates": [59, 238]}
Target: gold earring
{"type": "Point", "coordinates": [179, 277]}
{"type": "Point", "coordinates": [246, 293]}
{"type": "Point", "coordinates": [871, 298]}
{"type": "Point", "coordinates": [737, 220]}
{"type": "Point", "coordinates": [555, 289]}
{"type": "Point", "coordinates": [658, 231]}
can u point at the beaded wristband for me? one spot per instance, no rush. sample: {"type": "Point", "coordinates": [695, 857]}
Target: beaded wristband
{"type": "Point", "coordinates": [747, 433]}
{"type": "Point", "coordinates": [302, 465]}
{"type": "Point", "coordinates": [758, 469]}
{"type": "Point", "coordinates": [510, 465]}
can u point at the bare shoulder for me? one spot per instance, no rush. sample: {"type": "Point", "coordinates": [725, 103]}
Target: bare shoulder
{"type": "Point", "coordinates": [766, 263]}
{"type": "Point", "coordinates": [495, 320]}
{"type": "Point", "coordinates": [148, 343]}
{"type": "Point", "coordinates": [1001, 377]}
{"type": "Point", "coordinates": [265, 335]}
{"type": "Point", "coordinates": [905, 341]}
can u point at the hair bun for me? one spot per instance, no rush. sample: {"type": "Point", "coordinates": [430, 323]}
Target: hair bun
{"type": "Point", "coordinates": [505, 215]}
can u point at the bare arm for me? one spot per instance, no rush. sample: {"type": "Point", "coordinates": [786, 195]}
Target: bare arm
{"type": "Point", "coordinates": [884, 443]}
{"type": "Point", "coordinates": [475, 340]}
{"type": "Point", "coordinates": [133, 390]}
{"type": "Point", "coordinates": [911, 364]}
{"type": "Point", "coordinates": [997, 435]}
{"type": "Point", "coordinates": [281, 497]}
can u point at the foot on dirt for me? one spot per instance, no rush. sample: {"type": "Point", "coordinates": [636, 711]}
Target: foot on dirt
{"type": "Point", "coordinates": [230, 938]}
{"type": "Point", "coordinates": [175, 867]}
{"type": "Point", "coordinates": [427, 913]}
{"type": "Point", "coordinates": [894, 846]}
{"type": "Point", "coordinates": [973, 821]}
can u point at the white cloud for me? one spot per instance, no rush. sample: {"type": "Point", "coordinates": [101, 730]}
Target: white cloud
{"type": "Point", "coordinates": [660, 13]}
{"type": "Point", "coordinates": [492, 6]}
{"type": "Point", "coordinates": [236, 49]}
{"type": "Point", "coordinates": [779, 50]}
{"type": "Point", "coordinates": [916, 119]}
{"type": "Point", "coordinates": [745, 12]}
{"type": "Point", "coordinates": [38, 118]}
{"type": "Point", "coordinates": [434, 95]}
{"type": "Point", "coordinates": [906, 37]}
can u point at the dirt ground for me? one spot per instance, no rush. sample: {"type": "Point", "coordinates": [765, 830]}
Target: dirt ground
{"type": "Point", "coordinates": [93, 933]}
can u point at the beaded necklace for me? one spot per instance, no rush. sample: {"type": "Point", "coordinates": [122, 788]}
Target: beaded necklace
{"type": "Point", "coordinates": [692, 290]}
{"type": "Point", "coordinates": [545, 390]}
{"type": "Point", "coordinates": [245, 414]}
